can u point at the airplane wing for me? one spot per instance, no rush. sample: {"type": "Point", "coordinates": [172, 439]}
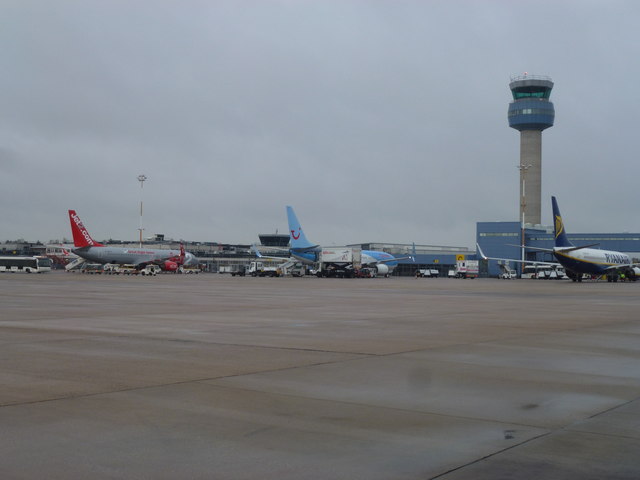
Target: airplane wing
{"type": "Point", "coordinates": [279, 249]}
{"type": "Point", "coordinates": [550, 250]}
{"type": "Point", "coordinates": [531, 262]}
{"type": "Point", "coordinates": [394, 259]}
{"type": "Point", "coordinates": [539, 249]}
{"type": "Point", "coordinates": [255, 250]}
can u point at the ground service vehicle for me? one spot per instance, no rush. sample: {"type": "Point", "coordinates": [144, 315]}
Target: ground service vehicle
{"type": "Point", "coordinates": [260, 269]}
{"type": "Point", "coordinates": [543, 272]}
{"type": "Point", "coordinates": [92, 268]}
{"type": "Point", "coordinates": [467, 269]}
{"type": "Point", "coordinates": [427, 273]}
{"type": "Point", "coordinates": [189, 269]}
{"type": "Point", "coordinates": [298, 270]}
{"type": "Point", "coordinates": [506, 272]}
{"type": "Point", "coordinates": [339, 262]}
{"type": "Point", "coordinates": [234, 270]}
{"type": "Point", "coordinates": [15, 264]}
{"type": "Point", "coordinates": [366, 272]}
{"type": "Point", "coordinates": [151, 270]}
{"type": "Point", "coordinates": [115, 269]}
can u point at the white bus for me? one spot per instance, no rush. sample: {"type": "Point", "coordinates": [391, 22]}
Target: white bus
{"type": "Point", "coordinates": [547, 272]}
{"type": "Point", "coordinates": [25, 264]}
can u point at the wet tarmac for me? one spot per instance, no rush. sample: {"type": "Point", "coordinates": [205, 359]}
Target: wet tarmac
{"type": "Point", "coordinates": [218, 377]}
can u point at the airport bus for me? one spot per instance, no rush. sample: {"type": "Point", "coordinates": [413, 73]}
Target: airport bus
{"type": "Point", "coordinates": [15, 264]}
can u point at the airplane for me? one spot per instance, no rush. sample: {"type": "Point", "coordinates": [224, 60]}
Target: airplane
{"type": "Point", "coordinates": [307, 252]}
{"type": "Point", "coordinates": [578, 261]}
{"type": "Point", "coordinates": [87, 248]}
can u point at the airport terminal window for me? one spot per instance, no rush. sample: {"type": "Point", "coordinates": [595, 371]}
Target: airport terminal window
{"type": "Point", "coordinates": [499, 234]}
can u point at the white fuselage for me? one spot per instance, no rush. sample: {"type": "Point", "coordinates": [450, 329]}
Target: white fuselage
{"type": "Point", "coordinates": [590, 260]}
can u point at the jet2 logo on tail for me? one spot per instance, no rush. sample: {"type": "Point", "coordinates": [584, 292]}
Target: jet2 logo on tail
{"type": "Point", "coordinates": [80, 226]}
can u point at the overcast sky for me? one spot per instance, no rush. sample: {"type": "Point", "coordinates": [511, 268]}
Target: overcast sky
{"type": "Point", "coordinates": [379, 121]}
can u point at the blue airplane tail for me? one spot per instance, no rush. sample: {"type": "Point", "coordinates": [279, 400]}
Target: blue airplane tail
{"type": "Point", "coordinates": [298, 239]}
{"type": "Point", "coordinates": [559, 231]}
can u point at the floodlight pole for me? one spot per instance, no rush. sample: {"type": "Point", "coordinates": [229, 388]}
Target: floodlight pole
{"type": "Point", "coordinates": [141, 179]}
{"type": "Point", "coordinates": [523, 203]}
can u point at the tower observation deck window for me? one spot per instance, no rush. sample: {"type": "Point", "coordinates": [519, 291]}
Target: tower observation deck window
{"type": "Point", "coordinates": [527, 93]}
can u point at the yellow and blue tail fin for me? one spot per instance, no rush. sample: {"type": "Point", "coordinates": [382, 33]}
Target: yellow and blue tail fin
{"type": "Point", "coordinates": [561, 239]}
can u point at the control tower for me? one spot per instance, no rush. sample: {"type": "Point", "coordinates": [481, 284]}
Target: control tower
{"type": "Point", "coordinates": [530, 113]}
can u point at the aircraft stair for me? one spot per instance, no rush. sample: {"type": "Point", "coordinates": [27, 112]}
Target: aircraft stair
{"type": "Point", "coordinates": [77, 263]}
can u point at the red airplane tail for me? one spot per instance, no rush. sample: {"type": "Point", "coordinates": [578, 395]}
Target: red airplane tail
{"type": "Point", "coordinates": [81, 237]}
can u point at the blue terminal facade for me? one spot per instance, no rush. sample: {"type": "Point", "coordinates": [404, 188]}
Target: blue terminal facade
{"type": "Point", "coordinates": [501, 240]}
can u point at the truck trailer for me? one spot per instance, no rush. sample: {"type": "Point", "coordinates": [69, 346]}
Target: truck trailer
{"type": "Point", "coordinates": [339, 262]}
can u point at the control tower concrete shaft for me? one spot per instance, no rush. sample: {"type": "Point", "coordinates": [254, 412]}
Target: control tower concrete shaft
{"type": "Point", "coordinates": [530, 113]}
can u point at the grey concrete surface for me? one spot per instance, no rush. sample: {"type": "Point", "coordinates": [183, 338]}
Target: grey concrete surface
{"type": "Point", "coordinates": [211, 376]}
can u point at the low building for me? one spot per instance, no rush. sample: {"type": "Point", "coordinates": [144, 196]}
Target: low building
{"type": "Point", "coordinates": [21, 247]}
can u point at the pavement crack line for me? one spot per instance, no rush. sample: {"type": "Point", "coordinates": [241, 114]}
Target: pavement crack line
{"type": "Point", "coordinates": [568, 428]}
{"type": "Point", "coordinates": [486, 457]}
{"type": "Point", "coordinates": [169, 384]}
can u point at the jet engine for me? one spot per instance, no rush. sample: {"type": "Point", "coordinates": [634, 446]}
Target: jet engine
{"type": "Point", "coordinates": [169, 266]}
{"type": "Point", "coordinates": [382, 269]}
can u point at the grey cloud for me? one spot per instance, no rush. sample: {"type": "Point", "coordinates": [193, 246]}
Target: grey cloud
{"type": "Point", "coordinates": [378, 120]}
